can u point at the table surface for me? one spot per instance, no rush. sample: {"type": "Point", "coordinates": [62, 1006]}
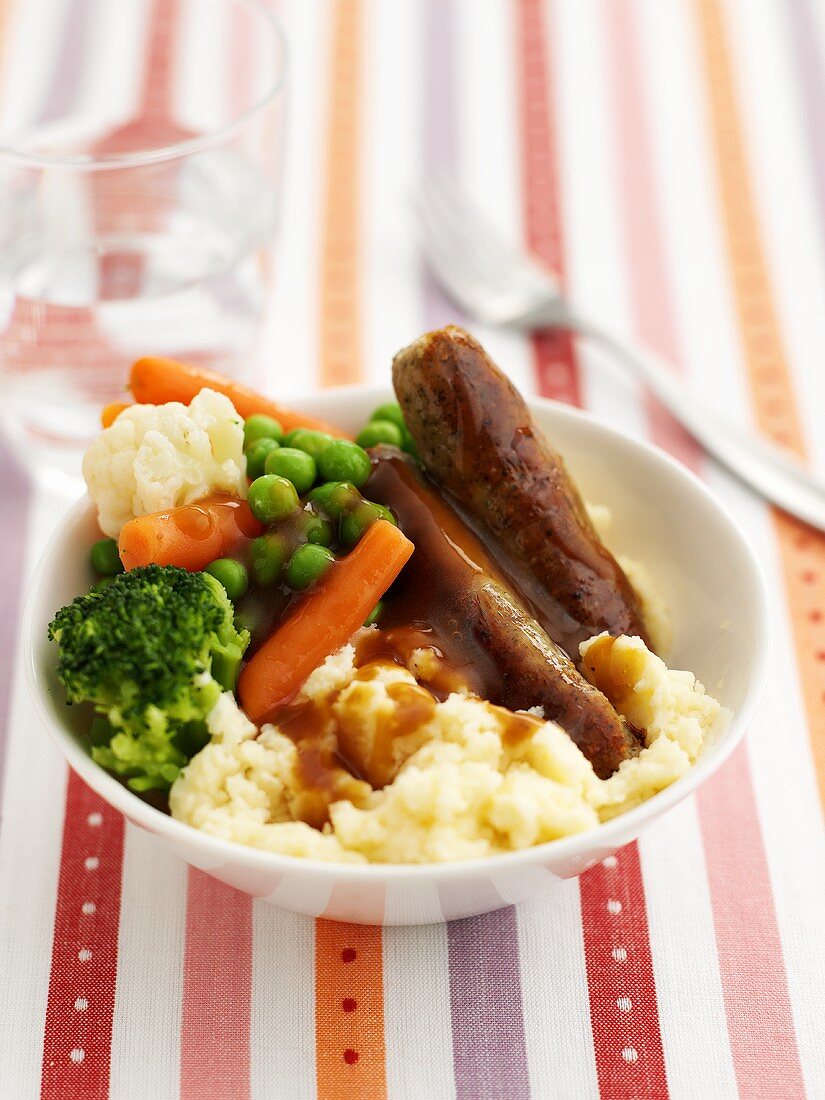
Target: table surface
{"type": "Point", "coordinates": [668, 160]}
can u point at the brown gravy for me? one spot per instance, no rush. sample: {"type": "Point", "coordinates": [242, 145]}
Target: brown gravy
{"type": "Point", "coordinates": [426, 607]}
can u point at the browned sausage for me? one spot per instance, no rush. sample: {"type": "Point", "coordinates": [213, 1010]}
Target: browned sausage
{"type": "Point", "coordinates": [477, 439]}
{"type": "Point", "coordinates": [452, 596]}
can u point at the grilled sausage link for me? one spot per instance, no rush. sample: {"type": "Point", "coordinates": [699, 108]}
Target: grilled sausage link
{"type": "Point", "coordinates": [453, 589]}
{"type": "Point", "coordinates": [477, 439]}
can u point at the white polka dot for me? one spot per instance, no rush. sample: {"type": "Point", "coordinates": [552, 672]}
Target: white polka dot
{"type": "Point", "coordinates": [619, 954]}
{"type": "Point", "coordinates": [614, 907]}
{"type": "Point", "coordinates": [630, 1054]}
{"type": "Point", "coordinates": [81, 1004]}
{"type": "Point", "coordinates": [94, 820]}
{"type": "Point", "coordinates": [84, 954]}
{"type": "Point", "coordinates": [77, 1055]}
{"type": "Point", "coordinates": [624, 1004]}
{"type": "Point", "coordinates": [610, 863]}
{"type": "Point", "coordinates": [91, 863]}
{"type": "Point", "coordinates": [87, 908]}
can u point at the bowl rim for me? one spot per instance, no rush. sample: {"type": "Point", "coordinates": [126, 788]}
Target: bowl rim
{"type": "Point", "coordinates": [221, 852]}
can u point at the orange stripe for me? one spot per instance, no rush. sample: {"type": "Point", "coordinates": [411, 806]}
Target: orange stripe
{"type": "Point", "coordinates": [5, 34]}
{"type": "Point", "coordinates": [802, 550]}
{"type": "Point", "coordinates": [340, 344]}
{"type": "Point", "coordinates": [349, 1012]}
{"type": "Point", "coordinates": [349, 975]}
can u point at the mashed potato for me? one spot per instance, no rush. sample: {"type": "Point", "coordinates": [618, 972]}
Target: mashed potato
{"type": "Point", "coordinates": [158, 456]}
{"type": "Point", "coordinates": [461, 785]}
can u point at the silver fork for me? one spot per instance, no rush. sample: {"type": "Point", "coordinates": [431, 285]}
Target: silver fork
{"type": "Point", "coordinates": [499, 285]}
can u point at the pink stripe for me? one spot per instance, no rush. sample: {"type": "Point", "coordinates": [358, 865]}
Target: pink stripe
{"type": "Point", "coordinates": [751, 962]}
{"type": "Point", "coordinates": [217, 992]}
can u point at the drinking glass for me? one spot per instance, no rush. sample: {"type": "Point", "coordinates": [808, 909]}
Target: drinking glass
{"type": "Point", "coordinates": [141, 152]}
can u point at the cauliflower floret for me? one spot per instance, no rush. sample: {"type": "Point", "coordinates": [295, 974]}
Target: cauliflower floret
{"type": "Point", "coordinates": [159, 456]}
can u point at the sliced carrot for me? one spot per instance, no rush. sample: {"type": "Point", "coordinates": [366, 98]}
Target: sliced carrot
{"type": "Point", "coordinates": [324, 621]}
{"type": "Point", "coordinates": [190, 536]}
{"type": "Point", "coordinates": [155, 381]}
{"type": "Point", "coordinates": [110, 413]}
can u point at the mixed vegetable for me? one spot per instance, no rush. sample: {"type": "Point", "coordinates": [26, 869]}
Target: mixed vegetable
{"type": "Point", "coordinates": [284, 578]}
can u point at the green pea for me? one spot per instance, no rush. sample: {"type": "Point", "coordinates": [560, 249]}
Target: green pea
{"type": "Point", "coordinates": [231, 574]}
{"type": "Point", "coordinates": [261, 427]}
{"type": "Point", "coordinates": [345, 461]}
{"type": "Point", "coordinates": [267, 556]}
{"type": "Point", "coordinates": [257, 454]}
{"type": "Point", "coordinates": [385, 513]}
{"type": "Point", "coordinates": [354, 524]}
{"type": "Point", "coordinates": [335, 497]}
{"type": "Point", "coordinates": [105, 558]}
{"type": "Point", "coordinates": [374, 614]}
{"type": "Point", "coordinates": [379, 431]}
{"type": "Point", "coordinates": [392, 412]}
{"type": "Point", "coordinates": [304, 439]}
{"type": "Point", "coordinates": [296, 466]}
{"type": "Point", "coordinates": [307, 565]}
{"type": "Point", "coordinates": [317, 529]}
{"type": "Point", "coordinates": [272, 498]}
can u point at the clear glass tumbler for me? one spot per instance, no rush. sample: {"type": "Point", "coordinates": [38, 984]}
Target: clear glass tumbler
{"type": "Point", "coordinates": [141, 147]}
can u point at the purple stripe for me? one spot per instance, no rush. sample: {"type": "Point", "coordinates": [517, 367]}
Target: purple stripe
{"type": "Point", "coordinates": [801, 23]}
{"type": "Point", "coordinates": [489, 1052]}
{"type": "Point", "coordinates": [69, 64]}
{"type": "Point", "coordinates": [439, 138]}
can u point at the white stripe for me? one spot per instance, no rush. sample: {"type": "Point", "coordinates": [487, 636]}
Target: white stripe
{"type": "Point", "coordinates": [32, 31]}
{"type": "Point", "coordinates": [149, 969]}
{"type": "Point", "coordinates": [113, 74]}
{"type": "Point", "coordinates": [390, 271]}
{"type": "Point", "coordinates": [595, 281]}
{"type": "Point", "coordinates": [489, 148]}
{"type": "Point", "coordinates": [685, 964]}
{"type": "Point", "coordinates": [697, 267]}
{"type": "Point", "coordinates": [200, 56]}
{"type": "Point", "coordinates": [283, 1005]}
{"type": "Point", "coordinates": [30, 845]}
{"type": "Point", "coordinates": [557, 1028]}
{"type": "Point", "coordinates": [417, 1013]}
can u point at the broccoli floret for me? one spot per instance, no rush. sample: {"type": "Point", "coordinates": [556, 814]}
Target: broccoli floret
{"type": "Point", "coordinates": [152, 651]}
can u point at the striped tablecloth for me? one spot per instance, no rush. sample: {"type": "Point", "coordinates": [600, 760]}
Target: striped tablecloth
{"type": "Point", "coordinates": [667, 158]}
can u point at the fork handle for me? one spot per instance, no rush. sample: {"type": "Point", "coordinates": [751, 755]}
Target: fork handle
{"type": "Point", "coordinates": [767, 469]}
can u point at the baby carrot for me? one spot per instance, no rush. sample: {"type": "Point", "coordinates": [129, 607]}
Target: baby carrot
{"type": "Point", "coordinates": [155, 381]}
{"type": "Point", "coordinates": [190, 536]}
{"type": "Point", "coordinates": [324, 621]}
{"type": "Point", "coordinates": [110, 413]}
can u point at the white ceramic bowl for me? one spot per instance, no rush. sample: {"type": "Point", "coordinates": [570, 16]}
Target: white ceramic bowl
{"type": "Point", "coordinates": [663, 516]}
